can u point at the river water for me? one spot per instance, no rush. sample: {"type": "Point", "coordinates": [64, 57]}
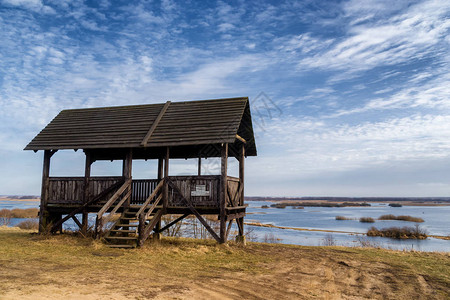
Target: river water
{"type": "Point", "coordinates": [437, 222]}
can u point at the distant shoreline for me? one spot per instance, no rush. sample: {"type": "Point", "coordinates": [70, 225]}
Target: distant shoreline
{"type": "Point", "coordinates": [21, 200]}
{"type": "Point", "coordinates": [407, 202]}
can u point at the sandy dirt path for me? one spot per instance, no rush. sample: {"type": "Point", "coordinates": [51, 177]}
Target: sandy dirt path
{"type": "Point", "coordinates": [76, 269]}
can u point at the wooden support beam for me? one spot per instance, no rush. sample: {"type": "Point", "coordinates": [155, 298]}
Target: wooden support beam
{"type": "Point", "coordinates": [199, 173]}
{"type": "Point", "coordinates": [87, 175]}
{"type": "Point", "coordinates": [155, 124]}
{"type": "Point", "coordinates": [74, 218]}
{"type": "Point", "coordinates": [127, 172]}
{"type": "Point", "coordinates": [240, 221]}
{"type": "Point", "coordinates": [223, 191]}
{"type": "Point", "coordinates": [166, 176]}
{"type": "Point", "coordinates": [228, 229]}
{"type": "Point", "coordinates": [160, 176]}
{"type": "Point", "coordinates": [167, 226]}
{"type": "Point", "coordinates": [127, 164]}
{"type": "Point", "coordinates": [238, 137]}
{"type": "Point", "coordinates": [43, 213]}
{"type": "Point", "coordinates": [160, 169]}
{"type": "Point", "coordinates": [194, 211]}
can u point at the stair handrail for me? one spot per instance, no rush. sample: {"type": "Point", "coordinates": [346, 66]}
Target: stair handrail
{"type": "Point", "coordinates": [149, 198]}
{"type": "Point", "coordinates": [102, 220]}
{"type": "Point", "coordinates": [144, 231]}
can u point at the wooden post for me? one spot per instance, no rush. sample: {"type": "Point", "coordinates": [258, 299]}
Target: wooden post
{"type": "Point", "coordinates": [160, 169]}
{"type": "Point", "coordinates": [127, 171]}
{"type": "Point", "coordinates": [199, 166]}
{"type": "Point", "coordinates": [240, 221]}
{"type": "Point", "coordinates": [157, 233]}
{"type": "Point", "coordinates": [127, 162]}
{"type": "Point", "coordinates": [87, 175]}
{"type": "Point", "coordinates": [166, 186]}
{"type": "Point", "coordinates": [43, 213]}
{"type": "Point", "coordinates": [223, 192]}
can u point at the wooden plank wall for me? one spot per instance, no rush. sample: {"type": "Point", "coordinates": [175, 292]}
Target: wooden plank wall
{"type": "Point", "coordinates": [233, 186]}
{"type": "Point", "coordinates": [70, 190]}
{"type": "Point", "coordinates": [186, 184]}
{"type": "Point", "coordinates": [67, 190]}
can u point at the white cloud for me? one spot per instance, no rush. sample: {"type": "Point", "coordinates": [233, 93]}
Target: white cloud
{"type": "Point", "coordinates": [34, 5]}
{"type": "Point", "coordinates": [400, 38]}
{"type": "Point", "coordinates": [224, 27]}
{"type": "Point", "coordinates": [306, 148]}
{"type": "Point", "coordinates": [431, 94]}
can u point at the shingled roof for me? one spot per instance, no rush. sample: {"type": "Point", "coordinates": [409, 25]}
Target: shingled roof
{"type": "Point", "coordinates": [189, 123]}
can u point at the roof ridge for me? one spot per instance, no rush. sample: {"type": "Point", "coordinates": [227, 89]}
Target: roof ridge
{"type": "Point", "coordinates": [155, 124]}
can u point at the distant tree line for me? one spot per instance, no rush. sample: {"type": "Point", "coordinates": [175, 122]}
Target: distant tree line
{"type": "Point", "coordinates": [352, 199]}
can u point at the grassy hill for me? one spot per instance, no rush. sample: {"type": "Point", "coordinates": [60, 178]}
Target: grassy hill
{"type": "Point", "coordinates": [69, 267]}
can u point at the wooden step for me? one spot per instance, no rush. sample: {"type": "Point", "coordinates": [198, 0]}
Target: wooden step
{"type": "Point", "coordinates": [125, 238]}
{"type": "Point", "coordinates": [126, 225]}
{"type": "Point", "coordinates": [121, 246]}
{"type": "Point", "coordinates": [123, 231]}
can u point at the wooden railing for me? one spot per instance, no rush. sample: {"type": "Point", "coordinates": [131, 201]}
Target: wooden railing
{"type": "Point", "coordinates": [142, 188]}
{"type": "Point", "coordinates": [146, 210]}
{"type": "Point", "coordinates": [93, 201]}
{"type": "Point", "coordinates": [70, 190]}
{"type": "Point", "coordinates": [103, 220]}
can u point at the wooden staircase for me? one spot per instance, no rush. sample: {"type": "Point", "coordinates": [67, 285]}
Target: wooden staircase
{"type": "Point", "coordinates": [124, 233]}
{"type": "Point", "coordinates": [136, 221]}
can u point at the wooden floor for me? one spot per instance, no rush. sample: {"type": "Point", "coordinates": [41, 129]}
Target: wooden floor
{"type": "Point", "coordinates": [68, 208]}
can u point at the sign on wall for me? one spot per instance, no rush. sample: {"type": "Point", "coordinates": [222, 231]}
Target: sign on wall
{"type": "Point", "coordinates": [200, 191]}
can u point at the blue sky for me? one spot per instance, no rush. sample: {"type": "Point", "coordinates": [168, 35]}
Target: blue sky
{"type": "Point", "coordinates": [358, 92]}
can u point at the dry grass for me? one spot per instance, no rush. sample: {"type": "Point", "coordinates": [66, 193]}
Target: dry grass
{"type": "Point", "coordinates": [406, 232]}
{"type": "Point", "coordinates": [5, 217]}
{"type": "Point", "coordinates": [401, 218]}
{"type": "Point", "coordinates": [29, 225]}
{"type": "Point", "coordinates": [20, 213]}
{"type": "Point", "coordinates": [366, 220]}
{"type": "Point", "coordinates": [342, 218]}
{"type": "Point", "coordinates": [62, 266]}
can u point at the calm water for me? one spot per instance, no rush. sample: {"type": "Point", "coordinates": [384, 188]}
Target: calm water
{"type": "Point", "coordinates": [437, 222]}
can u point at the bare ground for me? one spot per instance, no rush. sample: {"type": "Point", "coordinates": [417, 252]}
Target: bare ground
{"type": "Point", "coordinates": [32, 267]}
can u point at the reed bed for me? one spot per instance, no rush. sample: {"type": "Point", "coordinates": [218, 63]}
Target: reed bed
{"type": "Point", "coordinates": [401, 218]}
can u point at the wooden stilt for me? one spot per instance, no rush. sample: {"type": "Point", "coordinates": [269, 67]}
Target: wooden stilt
{"type": "Point", "coordinates": [87, 175]}
{"type": "Point", "coordinates": [127, 171]}
{"type": "Point", "coordinates": [166, 174]}
{"type": "Point", "coordinates": [157, 233]}
{"type": "Point", "coordinates": [44, 217]}
{"type": "Point", "coordinates": [240, 221]}
{"type": "Point", "coordinates": [223, 192]}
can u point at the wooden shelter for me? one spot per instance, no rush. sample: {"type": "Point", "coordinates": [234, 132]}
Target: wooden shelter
{"type": "Point", "coordinates": [172, 130]}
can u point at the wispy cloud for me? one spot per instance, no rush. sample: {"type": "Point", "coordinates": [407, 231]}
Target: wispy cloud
{"type": "Point", "coordinates": [317, 147]}
{"type": "Point", "coordinates": [414, 34]}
